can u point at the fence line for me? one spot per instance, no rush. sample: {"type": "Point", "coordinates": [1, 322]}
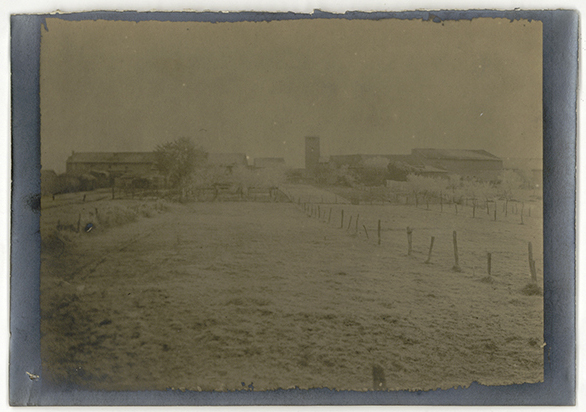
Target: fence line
{"type": "Point", "coordinates": [456, 267]}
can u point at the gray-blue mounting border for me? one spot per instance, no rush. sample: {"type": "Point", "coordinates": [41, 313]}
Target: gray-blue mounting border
{"type": "Point", "coordinates": [560, 81]}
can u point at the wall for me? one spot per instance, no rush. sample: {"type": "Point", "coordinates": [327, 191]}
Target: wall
{"type": "Point", "coordinates": [481, 169]}
{"type": "Point", "coordinates": [139, 169]}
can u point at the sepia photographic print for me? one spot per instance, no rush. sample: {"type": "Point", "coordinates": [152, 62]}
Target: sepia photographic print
{"type": "Point", "coordinates": [340, 203]}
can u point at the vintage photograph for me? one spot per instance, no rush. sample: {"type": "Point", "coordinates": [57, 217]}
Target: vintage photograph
{"type": "Point", "coordinates": [352, 204]}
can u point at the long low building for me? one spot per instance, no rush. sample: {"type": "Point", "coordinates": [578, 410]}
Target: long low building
{"type": "Point", "coordinates": [136, 163]}
{"type": "Point", "coordinates": [114, 163]}
{"type": "Point", "coordinates": [476, 164]}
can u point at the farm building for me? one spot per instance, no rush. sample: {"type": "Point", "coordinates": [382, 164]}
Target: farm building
{"type": "Point", "coordinates": [227, 160]}
{"type": "Point", "coordinates": [475, 164]}
{"type": "Point", "coordinates": [356, 161]}
{"type": "Point", "coordinates": [430, 171]}
{"type": "Point", "coordinates": [113, 163]}
{"type": "Point", "coordinates": [269, 162]}
{"type": "Point", "coordinates": [376, 168]}
{"type": "Point", "coordinates": [530, 169]}
{"type": "Point", "coordinates": [393, 167]}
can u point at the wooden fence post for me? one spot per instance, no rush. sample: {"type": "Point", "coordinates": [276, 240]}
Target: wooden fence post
{"type": "Point", "coordinates": [409, 241]}
{"type": "Point", "coordinates": [365, 231]}
{"type": "Point", "coordinates": [441, 202]}
{"type": "Point", "coordinates": [522, 210]}
{"type": "Point", "coordinates": [456, 267]}
{"type": "Point", "coordinates": [474, 209]}
{"type": "Point", "coordinates": [379, 231]}
{"type": "Point", "coordinates": [330, 216]}
{"type": "Point", "coordinates": [430, 249]}
{"type": "Point", "coordinates": [495, 210]}
{"type": "Point", "coordinates": [532, 269]}
{"type": "Point", "coordinates": [506, 207]}
{"type": "Point", "coordinates": [489, 263]}
{"type": "Point", "coordinates": [112, 191]}
{"type": "Point", "coordinates": [318, 212]}
{"type": "Point", "coordinates": [356, 229]}
{"type": "Point", "coordinates": [349, 223]}
{"type": "Point", "coordinates": [342, 220]}
{"type": "Point", "coordinates": [487, 207]}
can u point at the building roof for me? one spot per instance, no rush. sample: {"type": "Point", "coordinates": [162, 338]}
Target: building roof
{"type": "Point", "coordinates": [517, 163]}
{"type": "Point", "coordinates": [227, 159]}
{"type": "Point", "coordinates": [112, 157]}
{"type": "Point", "coordinates": [454, 154]}
{"type": "Point", "coordinates": [269, 162]}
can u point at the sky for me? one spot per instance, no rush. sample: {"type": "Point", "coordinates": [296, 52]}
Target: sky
{"type": "Point", "coordinates": [362, 86]}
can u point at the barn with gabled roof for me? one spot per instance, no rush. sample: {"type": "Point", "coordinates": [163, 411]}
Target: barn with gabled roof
{"type": "Point", "coordinates": [138, 164]}
{"type": "Point", "coordinates": [475, 164]}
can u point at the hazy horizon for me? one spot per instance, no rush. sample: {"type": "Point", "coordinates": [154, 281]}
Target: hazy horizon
{"type": "Point", "coordinates": [363, 86]}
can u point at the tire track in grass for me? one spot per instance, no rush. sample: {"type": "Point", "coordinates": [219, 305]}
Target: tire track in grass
{"type": "Point", "coordinates": [93, 265]}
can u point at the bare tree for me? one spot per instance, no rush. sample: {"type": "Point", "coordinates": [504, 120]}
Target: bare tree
{"type": "Point", "coordinates": [179, 159]}
{"type": "Point", "coordinates": [510, 183]}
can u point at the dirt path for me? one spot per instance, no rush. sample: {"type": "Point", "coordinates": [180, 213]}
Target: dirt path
{"type": "Point", "coordinates": [220, 296]}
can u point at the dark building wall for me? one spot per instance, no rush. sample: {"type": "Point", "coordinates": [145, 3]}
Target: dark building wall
{"type": "Point", "coordinates": [477, 164]}
{"type": "Point", "coordinates": [77, 169]}
{"type": "Point", "coordinates": [487, 170]}
{"type": "Point", "coordinates": [465, 165]}
{"type": "Point", "coordinates": [312, 155]}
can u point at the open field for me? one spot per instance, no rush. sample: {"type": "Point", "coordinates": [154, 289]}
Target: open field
{"type": "Point", "coordinates": [242, 295]}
